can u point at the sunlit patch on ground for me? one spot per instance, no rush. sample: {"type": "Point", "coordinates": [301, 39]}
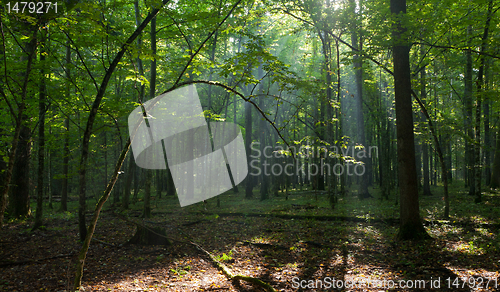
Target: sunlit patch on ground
{"type": "Point", "coordinates": [275, 250]}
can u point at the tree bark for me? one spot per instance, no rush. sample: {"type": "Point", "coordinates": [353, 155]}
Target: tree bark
{"type": "Point", "coordinates": [495, 171]}
{"type": "Point", "coordinates": [411, 227]}
{"type": "Point", "coordinates": [19, 198]}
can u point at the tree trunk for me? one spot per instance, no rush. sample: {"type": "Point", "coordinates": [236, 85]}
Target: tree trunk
{"type": "Point", "coordinates": [469, 142]}
{"type": "Point", "coordinates": [320, 121]}
{"type": "Point", "coordinates": [117, 188]}
{"type": "Point", "coordinates": [148, 172]}
{"type": "Point", "coordinates": [264, 192]}
{"type": "Point", "coordinates": [64, 191]}
{"type": "Point", "coordinates": [159, 186]}
{"type": "Point", "coordinates": [328, 132]}
{"type": "Point", "coordinates": [338, 115]}
{"type": "Point", "coordinates": [19, 198]}
{"type": "Point", "coordinates": [93, 114]}
{"type": "Point", "coordinates": [137, 178]}
{"type": "Point", "coordinates": [85, 145]}
{"type": "Point", "coordinates": [147, 194]}
{"type": "Point", "coordinates": [248, 141]}
{"type": "Point", "coordinates": [480, 92]}
{"type": "Point", "coordinates": [4, 188]}
{"type": "Point", "coordinates": [128, 182]}
{"type": "Point", "coordinates": [152, 91]}
{"type": "Point", "coordinates": [360, 131]}
{"type": "Point", "coordinates": [425, 156]}
{"type": "Point", "coordinates": [170, 184]}
{"type": "Point", "coordinates": [495, 171]}
{"type": "Point", "coordinates": [235, 189]}
{"type": "Point", "coordinates": [149, 236]}
{"type": "Point", "coordinates": [41, 140]}
{"type": "Point", "coordinates": [410, 224]}
{"type": "Point", "coordinates": [425, 147]}
{"type": "Point", "coordinates": [487, 133]}
{"type": "Point", "coordinates": [86, 242]}
{"type": "Point", "coordinates": [51, 190]}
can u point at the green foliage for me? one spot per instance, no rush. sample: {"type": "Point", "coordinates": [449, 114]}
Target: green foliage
{"type": "Point", "coordinates": [180, 271]}
{"type": "Point", "coordinates": [225, 257]}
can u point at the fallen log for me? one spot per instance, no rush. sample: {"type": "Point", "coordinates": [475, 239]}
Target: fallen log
{"type": "Point", "coordinates": [218, 264]}
{"type": "Point", "coordinates": [230, 275]}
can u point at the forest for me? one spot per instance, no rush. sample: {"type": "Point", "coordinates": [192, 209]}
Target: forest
{"type": "Point", "coordinates": [249, 145]}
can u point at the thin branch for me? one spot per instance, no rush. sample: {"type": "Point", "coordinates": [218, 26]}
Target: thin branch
{"type": "Point", "coordinates": [309, 126]}
{"type": "Point", "coordinates": [57, 104]}
{"type": "Point", "coordinates": [5, 72]}
{"type": "Point", "coordinates": [454, 90]}
{"type": "Point", "coordinates": [247, 99]}
{"type": "Point", "coordinates": [115, 121]}
{"type": "Point", "coordinates": [458, 48]}
{"type": "Point", "coordinates": [361, 53]}
{"type": "Point", "coordinates": [64, 68]}
{"type": "Point", "coordinates": [182, 33]}
{"type": "Point", "coordinates": [17, 42]}
{"type": "Point", "coordinates": [12, 112]}
{"type": "Point", "coordinates": [81, 60]}
{"type": "Point", "coordinates": [204, 42]}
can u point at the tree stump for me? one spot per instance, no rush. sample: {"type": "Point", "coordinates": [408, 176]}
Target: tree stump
{"type": "Point", "coordinates": [149, 236]}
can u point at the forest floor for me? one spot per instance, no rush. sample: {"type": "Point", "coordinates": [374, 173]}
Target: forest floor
{"type": "Point", "coordinates": [294, 244]}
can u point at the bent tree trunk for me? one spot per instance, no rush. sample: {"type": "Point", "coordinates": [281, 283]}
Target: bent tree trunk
{"type": "Point", "coordinates": [88, 237]}
{"type": "Point", "coordinates": [93, 114]}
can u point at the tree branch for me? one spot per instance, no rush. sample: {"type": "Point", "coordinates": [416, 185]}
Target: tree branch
{"type": "Point", "coordinates": [247, 99]}
{"type": "Point", "coordinates": [343, 42]}
{"type": "Point", "coordinates": [204, 42]}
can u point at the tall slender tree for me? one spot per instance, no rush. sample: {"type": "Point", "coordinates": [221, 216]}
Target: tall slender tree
{"type": "Point", "coordinates": [410, 223]}
{"type": "Point", "coordinates": [41, 136]}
